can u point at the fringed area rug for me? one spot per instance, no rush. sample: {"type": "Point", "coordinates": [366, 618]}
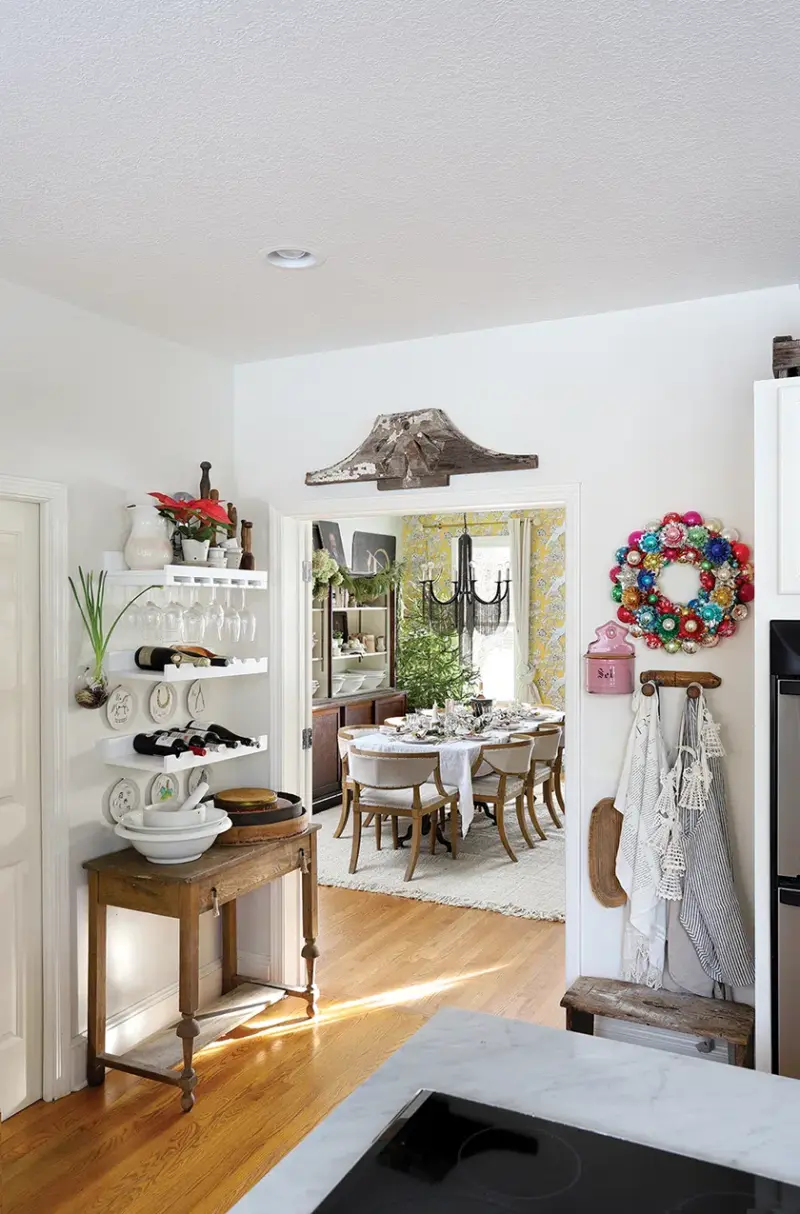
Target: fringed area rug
{"type": "Point", "coordinates": [481, 876]}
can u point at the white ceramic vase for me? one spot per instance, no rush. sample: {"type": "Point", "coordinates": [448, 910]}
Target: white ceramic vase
{"type": "Point", "coordinates": [195, 552]}
{"type": "Point", "coordinates": [147, 546]}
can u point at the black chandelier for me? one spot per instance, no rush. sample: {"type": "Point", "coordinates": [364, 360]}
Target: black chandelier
{"type": "Point", "coordinates": [465, 612]}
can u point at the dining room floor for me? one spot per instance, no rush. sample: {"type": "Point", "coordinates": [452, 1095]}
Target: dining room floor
{"type": "Point", "coordinates": [482, 876]}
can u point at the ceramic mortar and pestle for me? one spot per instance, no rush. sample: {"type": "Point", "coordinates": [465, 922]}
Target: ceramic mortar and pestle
{"type": "Point", "coordinates": [190, 813]}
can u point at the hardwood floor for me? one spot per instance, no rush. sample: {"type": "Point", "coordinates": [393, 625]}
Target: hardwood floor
{"type": "Point", "coordinates": [387, 964]}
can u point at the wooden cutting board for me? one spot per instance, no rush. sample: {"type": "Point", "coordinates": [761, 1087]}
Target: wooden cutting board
{"type": "Point", "coordinates": [605, 827]}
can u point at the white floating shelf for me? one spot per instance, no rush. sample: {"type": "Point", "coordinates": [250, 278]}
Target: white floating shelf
{"type": "Point", "coordinates": [354, 657]}
{"type": "Point", "coordinates": [119, 752]}
{"type": "Point", "coordinates": [122, 666]}
{"type": "Point", "coordinates": [190, 575]}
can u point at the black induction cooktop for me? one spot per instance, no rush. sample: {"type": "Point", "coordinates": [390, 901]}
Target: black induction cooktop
{"type": "Point", "coordinates": [444, 1155]}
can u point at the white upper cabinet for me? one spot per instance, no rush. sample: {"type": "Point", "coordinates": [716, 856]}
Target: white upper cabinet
{"type": "Point", "coordinates": [788, 487]}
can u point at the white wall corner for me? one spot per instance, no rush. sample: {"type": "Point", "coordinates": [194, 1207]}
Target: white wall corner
{"type": "Point", "coordinates": [150, 1015]}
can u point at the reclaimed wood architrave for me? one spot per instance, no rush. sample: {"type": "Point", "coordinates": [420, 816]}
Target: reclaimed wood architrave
{"type": "Point", "coordinates": [415, 450]}
{"type": "Point", "coordinates": [785, 357]}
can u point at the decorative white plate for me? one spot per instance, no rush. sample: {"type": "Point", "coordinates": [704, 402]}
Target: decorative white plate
{"type": "Point", "coordinates": [123, 797]}
{"type": "Point", "coordinates": [162, 788]}
{"type": "Point", "coordinates": [163, 702]}
{"type": "Point", "coordinates": [197, 775]}
{"type": "Point", "coordinates": [120, 707]}
{"type": "Point", "coordinates": [196, 700]}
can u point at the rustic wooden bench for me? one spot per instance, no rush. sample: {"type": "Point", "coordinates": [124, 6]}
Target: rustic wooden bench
{"type": "Point", "coordinates": [717, 1019]}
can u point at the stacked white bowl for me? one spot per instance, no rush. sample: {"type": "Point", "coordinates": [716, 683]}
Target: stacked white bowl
{"type": "Point", "coordinates": [165, 835]}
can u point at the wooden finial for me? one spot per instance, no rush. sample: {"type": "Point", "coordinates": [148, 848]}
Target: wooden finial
{"type": "Point", "coordinates": [248, 561]}
{"type": "Point", "coordinates": [205, 479]}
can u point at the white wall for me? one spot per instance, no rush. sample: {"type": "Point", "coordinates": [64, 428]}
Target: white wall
{"type": "Point", "coordinates": [649, 410]}
{"type": "Point", "coordinates": [107, 410]}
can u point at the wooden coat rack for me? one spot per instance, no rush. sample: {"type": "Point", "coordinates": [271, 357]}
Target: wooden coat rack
{"type": "Point", "coordinates": [679, 678]}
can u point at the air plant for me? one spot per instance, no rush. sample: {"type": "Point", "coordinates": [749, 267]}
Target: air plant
{"type": "Point", "coordinates": [91, 604]}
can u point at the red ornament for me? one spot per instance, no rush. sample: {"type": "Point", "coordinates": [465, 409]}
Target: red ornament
{"type": "Point", "coordinates": [653, 642]}
{"type": "Point", "coordinates": [741, 552]}
{"type": "Point", "coordinates": [707, 580]}
{"type": "Point", "coordinates": [747, 592]}
{"type": "Point", "coordinates": [672, 517]}
{"type": "Point", "coordinates": [625, 616]}
{"type": "Point", "coordinates": [692, 627]}
{"type": "Point", "coordinates": [670, 554]}
{"type": "Point", "coordinates": [727, 628]}
{"type": "Point", "coordinates": [693, 519]}
{"type": "Point", "coordinates": [664, 604]}
{"type": "Point", "coordinates": [634, 537]}
{"type": "Point", "coordinates": [690, 556]}
{"type": "Point", "coordinates": [612, 573]}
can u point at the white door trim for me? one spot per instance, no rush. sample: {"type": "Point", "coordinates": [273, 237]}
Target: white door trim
{"type": "Point", "coordinates": [56, 952]}
{"type": "Point", "coordinates": [451, 501]}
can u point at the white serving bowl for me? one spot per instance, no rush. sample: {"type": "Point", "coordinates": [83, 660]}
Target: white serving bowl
{"type": "Point", "coordinates": [351, 683]}
{"type": "Point", "coordinates": [373, 679]}
{"type": "Point", "coordinates": [173, 847]}
{"type": "Point", "coordinates": [337, 682]}
{"type": "Point", "coordinates": [136, 820]}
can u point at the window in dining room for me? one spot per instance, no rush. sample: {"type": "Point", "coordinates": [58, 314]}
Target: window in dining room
{"type": "Point", "coordinates": [492, 655]}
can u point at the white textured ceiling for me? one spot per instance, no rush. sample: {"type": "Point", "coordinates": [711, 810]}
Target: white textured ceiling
{"type": "Point", "coordinates": [460, 163]}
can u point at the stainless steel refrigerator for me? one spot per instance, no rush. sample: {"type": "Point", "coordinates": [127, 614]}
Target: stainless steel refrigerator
{"type": "Point", "coordinates": [785, 845]}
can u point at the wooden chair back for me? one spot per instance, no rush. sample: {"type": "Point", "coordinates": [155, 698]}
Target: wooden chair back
{"type": "Point", "coordinates": [379, 769]}
{"type": "Point", "coordinates": [506, 758]}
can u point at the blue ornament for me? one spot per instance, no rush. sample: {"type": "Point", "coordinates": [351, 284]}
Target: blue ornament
{"type": "Point", "coordinates": [646, 579]}
{"type": "Point", "coordinates": [620, 554]}
{"type": "Point", "coordinates": [650, 542]}
{"type": "Point", "coordinates": [694, 605]}
{"type": "Point", "coordinates": [711, 613]}
{"type": "Point", "coordinates": [717, 550]}
{"type": "Point", "coordinates": [646, 617]}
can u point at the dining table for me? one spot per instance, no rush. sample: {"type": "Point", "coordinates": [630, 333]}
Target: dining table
{"type": "Point", "coordinates": [456, 755]}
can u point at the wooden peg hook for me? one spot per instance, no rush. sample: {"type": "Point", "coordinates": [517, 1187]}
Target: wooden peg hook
{"type": "Point", "coordinates": [691, 680]}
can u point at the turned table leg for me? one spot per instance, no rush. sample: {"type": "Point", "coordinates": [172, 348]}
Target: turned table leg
{"type": "Point", "coordinates": [188, 1027]}
{"type": "Point", "coordinates": [96, 1071]}
{"type": "Point", "coordinates": [310, 952]}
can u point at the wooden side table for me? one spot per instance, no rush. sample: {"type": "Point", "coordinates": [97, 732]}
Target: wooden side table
{"type": "Point", "coordinates": [183, 892]}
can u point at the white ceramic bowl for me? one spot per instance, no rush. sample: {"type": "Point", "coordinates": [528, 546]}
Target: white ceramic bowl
{"type": "Point", "coordinates": [173, 847]}
{"type": "Point", "coordinates": [373, 679]}
{"type": "Point", "coordinates": [352, 682]}
{"type": "Point", "coordinates": [337, 682]}
{"type": "Point", "coordinates": [135, 820]}
{"type": "Point", "coordinates": [314, 686]}
{"type": "Point", "coordinates": [171, 819]}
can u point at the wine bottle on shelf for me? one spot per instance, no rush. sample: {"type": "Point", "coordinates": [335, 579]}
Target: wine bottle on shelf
{"type": "Point", "coordinates": [159, 743]}
{"type": "Point", "coordinates": [203, 656]}
{"type": "Point", "coordinates": [227, 735]}
{"type": "Point", "coordinates": [156, 657]}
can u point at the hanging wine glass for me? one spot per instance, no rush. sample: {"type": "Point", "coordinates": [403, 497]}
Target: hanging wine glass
{"type": "Point", "coordinates": [194, 623]}
{"type": "Point", "coordinates": [247, 621]}
{"type": "Point", "coordinates": [152, 621]}
{"type": "Point", "coordinates": [231, 624]}
{"type": "Point", "coordinates": [214, 618]}
{"type": "Point", "coordinates": [173, 619]}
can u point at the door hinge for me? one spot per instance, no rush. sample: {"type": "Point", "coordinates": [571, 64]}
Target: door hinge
{"type": "Point", "coordinates": [307, 737]}
{"type": "Point", "coordinates": [307, 572]}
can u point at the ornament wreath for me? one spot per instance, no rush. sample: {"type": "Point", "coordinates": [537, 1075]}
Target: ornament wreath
{"type": "Point", "coordinates": [726, 582]}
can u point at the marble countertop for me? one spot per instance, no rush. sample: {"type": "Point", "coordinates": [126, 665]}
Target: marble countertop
{"type": "Point", "coordinates": [720, 1113]}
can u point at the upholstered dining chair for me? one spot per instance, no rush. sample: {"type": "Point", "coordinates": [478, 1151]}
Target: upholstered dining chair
{"type": "Point", "coordinates": [546, 743]}
{"type": "Point", "coordinates": [499, 775]}
{"type": "Point", "coordinates": [394, 722]}
{"type": "Point", "coordinates": [345, 739]}
{"type": "Point", "coordinates": [400, 785]}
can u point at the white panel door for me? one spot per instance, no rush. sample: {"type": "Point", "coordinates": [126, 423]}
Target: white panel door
{"type": "Point", "coordinates": [20, 810]}
{"type": "Point", "coordinates": [788, 391]}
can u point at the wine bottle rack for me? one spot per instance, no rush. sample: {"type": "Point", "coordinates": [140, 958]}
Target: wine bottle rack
{"type": "Point", "coordinates": [190, 575]}
{"type": "Point", "coordinates": [121, 666]}
{"type": "Point", "coordinates": [119, 752]}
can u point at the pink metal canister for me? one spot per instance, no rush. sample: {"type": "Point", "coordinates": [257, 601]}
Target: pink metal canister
{"type": "Point", "coordinates": [610, 661]}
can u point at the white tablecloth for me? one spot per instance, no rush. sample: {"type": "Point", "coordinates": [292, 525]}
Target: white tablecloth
{"type": "Point", "coordinates": [455, 758]}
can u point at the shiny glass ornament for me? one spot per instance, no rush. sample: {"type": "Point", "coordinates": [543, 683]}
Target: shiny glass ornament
{"type": "Point", "coordinates": [672, 646]}
{"type": "Point", "coordinates": [616, 594]}
{"type": "Point", "coordinates": [689, 646]}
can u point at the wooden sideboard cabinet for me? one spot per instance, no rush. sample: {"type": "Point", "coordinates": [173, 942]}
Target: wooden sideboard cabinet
{"type": "Point", "coordinates": [329, 716]}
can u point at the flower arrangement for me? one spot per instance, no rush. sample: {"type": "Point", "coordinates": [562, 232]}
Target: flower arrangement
{"type": "Point", "coordinates": [325, 572]}
{"type": "Point", "coordinates": [197, 519]}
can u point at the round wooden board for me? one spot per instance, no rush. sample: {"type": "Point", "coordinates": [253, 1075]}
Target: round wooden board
{"type": "Point", "coordinates": [605, 827]}
{"type": "Point", "coordinates": [238, 836]}
{"type": "Point", "coordinates": [245, 798]}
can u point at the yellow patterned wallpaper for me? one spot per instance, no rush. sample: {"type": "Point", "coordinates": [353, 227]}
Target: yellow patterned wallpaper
{"type": "Point", "coordinates": [423, 542]}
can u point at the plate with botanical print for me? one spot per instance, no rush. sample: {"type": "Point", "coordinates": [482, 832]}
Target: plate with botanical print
{"type": "Point", "coordinates": [163, 702]}
{"type": "Point", "coordinates": [120, 707]}
{"type": "Point", "coordinates": [196, 700]}
{"type": "Point", "coordinates": [198, 775]}
{"type": "Point", "coordinates": [123, 797]}
{"type": "Point", "coordinates": [162, 788]}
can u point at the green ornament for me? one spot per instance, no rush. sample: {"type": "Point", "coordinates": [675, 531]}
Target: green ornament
{"type": "Point", "coordinates": [672, 646]}
{"type": "Point", "coordinates": [706, 565]}
{"type": "Point", "coordinates": [652, 598]}
{"type": "Point", "coordinates": [697, 536]}
{"type": "Point", "coordinates": [616, 593]}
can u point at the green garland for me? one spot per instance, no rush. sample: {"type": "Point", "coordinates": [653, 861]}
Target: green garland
{"type": "Point", "coordinates": [366, 587]}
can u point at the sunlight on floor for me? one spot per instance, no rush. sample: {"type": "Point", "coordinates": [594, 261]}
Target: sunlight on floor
{"type": "Point", "coordinates": [259, 1027]}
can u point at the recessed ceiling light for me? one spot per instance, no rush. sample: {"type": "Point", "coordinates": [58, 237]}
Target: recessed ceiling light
{"type": "Point", "coordinates": [293, 259]}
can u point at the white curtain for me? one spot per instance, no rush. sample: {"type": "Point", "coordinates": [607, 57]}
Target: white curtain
{"type": "Point", "coordinates": [520, 531]}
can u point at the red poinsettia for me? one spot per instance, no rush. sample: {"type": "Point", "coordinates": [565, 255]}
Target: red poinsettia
{"type": "Point", "coordinates": [194, 519]}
